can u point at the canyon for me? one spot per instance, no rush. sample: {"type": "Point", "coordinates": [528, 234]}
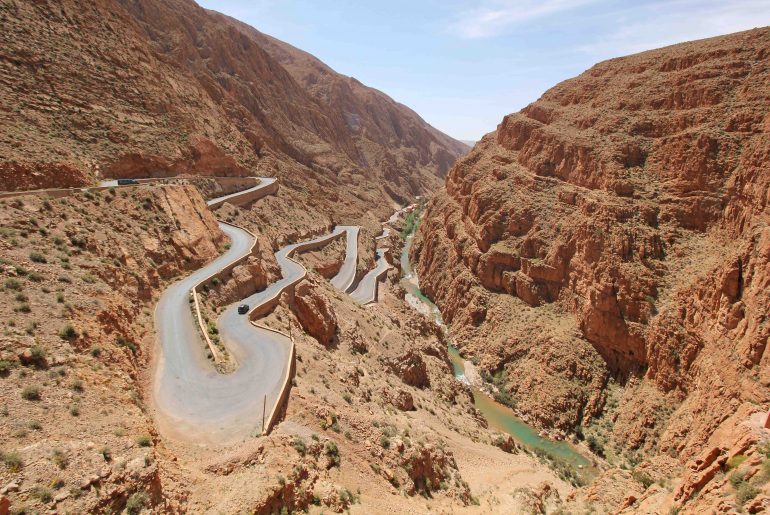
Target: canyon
{"type": "Point", "coordinates": [601, 263]}
{"type": "Point", "coordinates": [608, 245]}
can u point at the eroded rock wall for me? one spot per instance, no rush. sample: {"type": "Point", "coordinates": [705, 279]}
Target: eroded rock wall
{"type": "Point", "coordinates": [619, 227]}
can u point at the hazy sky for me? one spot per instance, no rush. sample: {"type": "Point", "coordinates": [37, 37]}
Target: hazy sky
{"type": "Point", "coordinates": [463, 65]}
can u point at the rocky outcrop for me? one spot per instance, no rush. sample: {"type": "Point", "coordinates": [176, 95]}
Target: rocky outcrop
{"type": "Point", "coordinates": [410, 367]}
{"type": "Point", "coordinates": [314, 312]}
{"type": "Point", "coordinates": [428, 467]}
{"type": "Point", "coordinates": [166, 88]}
{"type": "Point", "coordinates": [619, 226]}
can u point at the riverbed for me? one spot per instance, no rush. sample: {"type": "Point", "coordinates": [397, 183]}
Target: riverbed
{"type": "Point", "coordinates": [499, 416]}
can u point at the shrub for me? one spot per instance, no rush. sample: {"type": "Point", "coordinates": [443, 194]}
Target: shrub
{"type": "Point", "coordinates": [38, 353]}
{"type": "Point", "coordinates": [96, 352]}
{"type": "Point", "coordinates": [60, 298]}
{"type": "Point", "coordinates": [596, 446]}
{"type": "Point", "coordinates": [643, 478]}
{"type": "Point", "coordinates": [31, 393]}
{"type": "Point", "coordinates": [69, 332]}
{"type": "Point", "coordinates": [299, 445]}
{"type": "Point", "coordinates": [106, 453]}
{"type": "Point", "coordinates": [24, 307]}
{"type": "Point", "coordinates": [35, 425]}
{"type": "Point", "coordinates": [736, 461]}
{"type": "Point", "coordinates": [136, 502]}
{"type": "Point", "coordinates": [746, 492]}
{"type": "Point", "coordinates": [737, 479]}
{"type": "Point", "coordinates": [43, 494]}
{"type": "Point", "coordinates": [122, 341]}
{"type": "Point", "coordinates": [37, 257]}
{"type": "Point", "coordinates": [143, 441]}
{"type": "Point", "coordinates": [5, 367]}
{"type": "Point", "coordinates": [35, 277]}
{"type": "Point", "coordinates": [20, 297]}
{"type": "Point", "coordinates": [333, 452]}
{"type": "Point", "coordinates": [385, 442]}
{"type": "Point", "coordinates": [89, 279]}
{"type": "Point", "coordinates": [13, 284]}
{"type": "Point", "coordinates": [77, 385]}
{"type": "Point", "coordinates": [12, 461]}
{"type": "Point", "coordinates": [59, 458]}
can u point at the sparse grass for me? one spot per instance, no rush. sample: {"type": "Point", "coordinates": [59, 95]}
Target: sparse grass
{"type": "Point", "coordinates": [43, 494]}
{"type": "Point", "coordinates": [38, 356]}
{"type": "Point", "coordinates": [31, 393]}
{"type": "Point", "coordinates": [137, 502]}
{"type": "Point", "coordinates": [736, 461]}
{"type": "Point", "coordinates": [60, 459]}
{"type": "Point", "coordinates": [13, 284]}
{"type": "Point", "coordinates": [5, 367]}
{"type": "Point", "coordinates": [69, 332]}
{"type": "Point", "coordinates": [143, 441]}
{"type": "Point", "coordinates": [745, 493]}
{"type": "Point", "coordinates": [299, 445]}
{"type": "Point", "coordinates": [37, 257]}
{"type": "Point", "coordinates": [333, 452]}
{"type": "Point", "coordinates": [643, 478]}
{"type": "Point", "coordinates": [122, 341]}
{"type": "Point", "coordinates": [12, 461]}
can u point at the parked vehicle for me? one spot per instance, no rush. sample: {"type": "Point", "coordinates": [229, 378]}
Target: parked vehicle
{"type": "Point", "coordinates": [126, 182]}
{"type": "Point", "coordinates": [243, 309]}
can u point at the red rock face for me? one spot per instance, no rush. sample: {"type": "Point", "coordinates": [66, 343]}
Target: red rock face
{"type": "Point", "coordinates": [160, 88]}
{"type": "Point", "coordinates": [315, 313]}
{"type": "Point", "coordinates": [626, 209]}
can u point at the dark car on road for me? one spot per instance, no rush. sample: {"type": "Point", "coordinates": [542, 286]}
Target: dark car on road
{"type": "Point", "coordinates": [126, 182]}
{"type": "Point", "coordinates": [243, 309]}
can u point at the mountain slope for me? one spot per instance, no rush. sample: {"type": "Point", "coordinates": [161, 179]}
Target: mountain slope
{"type": "Point", "coordinates": [147, 87]}
{"type": "Point", "coordinates": [611, 241]}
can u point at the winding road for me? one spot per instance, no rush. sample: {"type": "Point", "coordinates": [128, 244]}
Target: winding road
{"type": "Point", "coordinates": [366, 291]}
{"type": "Point", "coordinates": [193, 400]}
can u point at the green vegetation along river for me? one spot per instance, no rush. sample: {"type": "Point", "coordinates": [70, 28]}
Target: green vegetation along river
{"type": "Point", "coordinates": [498, 416]}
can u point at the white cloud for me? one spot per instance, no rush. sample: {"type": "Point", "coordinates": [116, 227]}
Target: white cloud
{"type": "Point", "coordinates": [494, 16]}
{"type": "Point", "coordinates": [665, 23]}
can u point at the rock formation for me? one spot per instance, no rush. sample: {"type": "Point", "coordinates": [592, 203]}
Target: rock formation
{"type": "Point", "coordinates": [619, 227]}
{"type": "Point", "coordinates": [158, 88]}
{"type": "Point", "coordinates": [315, 314]}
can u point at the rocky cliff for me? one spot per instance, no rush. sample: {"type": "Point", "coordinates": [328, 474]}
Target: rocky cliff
{"type": "Point", "coordinates": [138, 88]}
{"type": "Point", "coordinates": [615, 232]}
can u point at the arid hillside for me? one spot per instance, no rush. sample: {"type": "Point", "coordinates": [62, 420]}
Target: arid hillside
{"type": "Point", "coordinates": [605, 257]}
{"type": "Point", "coordinates": [138, 88]}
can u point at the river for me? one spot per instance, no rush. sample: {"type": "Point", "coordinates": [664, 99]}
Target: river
{"type": "Point", "coordinates": [498, 416]}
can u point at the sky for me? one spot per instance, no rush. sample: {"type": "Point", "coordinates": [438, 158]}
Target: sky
{"type": "Point", "coordinates": [462, 65]}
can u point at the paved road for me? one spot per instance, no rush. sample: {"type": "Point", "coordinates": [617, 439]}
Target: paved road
{"type": "Point", "coordinates": [264, 184]}
{"type": "Point", "coordinates": [193, 399]}
{"type": "Point", "coordinates": [344, 279]}
{"type": "Point", "coordinates": [366, 291]}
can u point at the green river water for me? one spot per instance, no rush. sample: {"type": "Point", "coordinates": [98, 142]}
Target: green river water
{"type": "Point", "coordinates": [498, 416]}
